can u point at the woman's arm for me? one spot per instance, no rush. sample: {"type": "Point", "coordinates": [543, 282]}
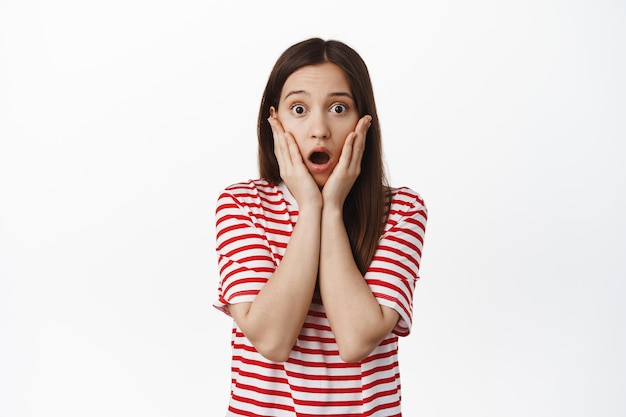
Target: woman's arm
{"type": "Point", "coordinates": [358, 321]}
{"type": "Point", "coordinates": [273, 320]}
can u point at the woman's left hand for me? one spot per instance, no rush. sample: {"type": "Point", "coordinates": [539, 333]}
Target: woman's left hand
{"type": "Point", "coordinates": [348, 168]}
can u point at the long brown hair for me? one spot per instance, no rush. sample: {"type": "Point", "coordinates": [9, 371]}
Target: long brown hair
{"type": "Point", "coordinates": [364, 210]}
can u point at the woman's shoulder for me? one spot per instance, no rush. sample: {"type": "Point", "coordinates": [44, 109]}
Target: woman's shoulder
{"type": "Point", "coordinates": [251, 191]}
{"type": "Point", "coordinates": [405, 197]}
{"type": "Point", "coordinates": [251, 185]}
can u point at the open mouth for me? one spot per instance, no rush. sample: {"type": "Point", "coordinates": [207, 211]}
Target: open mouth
{"type": "Point", "coordinates": [319, 158]}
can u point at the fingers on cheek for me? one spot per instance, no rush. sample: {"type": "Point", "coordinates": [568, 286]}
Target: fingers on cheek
{"type": "Point", "coordinates": [364, 124]}
{"type": "Point", "coordinates": [350, 140]}
{"type": "Point", "coordinates": [367, 123]}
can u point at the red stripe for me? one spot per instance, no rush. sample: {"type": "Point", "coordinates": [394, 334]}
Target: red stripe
{"type": "Point", "coordinates": [242, 294]}
{"type": "Point", "coordinates": [230, 217]}
{"type": "Point", "coordinates": [397, 263]}
{"type": "Point", "coordinates": [329, 378]}
{"type": "Point", "coordinates": [263, 391]}
{"type": "Point", "coordinates": [327, 403]}
{"type": "Point", "coordinates": [399, 253]}
{"type": "Point", "coordinates": [245, 413]}
{"type": "Point", "coordinates": [416, 222]}
{"type": "Point", "coordinates": [316, 326]}
{"type": "Point", "coordinates": [387, 367]}
{"type": "Point", "coordinates": [385, 282]}
{"type": "Point", "coordinates": [383, 407]}
{"type": "Point", "coordinates": [260, 364]}
{"type": "Point", "coordinates": [277, 244]}
{"type": "Point", "coordinates": [265, 378]}
{"type": "Point", "coordinates": [335, 365]}
{"type": "Point", "coordinates": [318, 339]}
{"type": "Point", "coordinates": [375, 396]}
{"type": "Point", "coordinates": [237, 283]}
{"type": "Point", "coordinates": [358, 414]}
{"type": "Point", "coordinates": [412, 233]}
{"type": "Point", "coordinates": [326, 390]}
{"type": "Point", "coordinates": [255, 247]}
{"type": "Point", "coordinates": [240, 224]}
{"type": "Point", "coordinates": [261, 207]}
{"type": "Point", "coordinates": [276, 231]}
{"type": "Point", "coordinates": [263, 404]}
{"type": "Point", "coordinates": [382, 381]}
{"type": "Point", "coordinates": [236, 238]}
{"type": "Point", "coordinates": [406, 243]}
{"type": "Point", "coordinates": [324, 352]}
{"type": "Point", "coordinates": [382, 355]}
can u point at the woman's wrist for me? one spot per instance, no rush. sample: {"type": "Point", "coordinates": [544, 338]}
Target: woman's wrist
{"type": "Point", "coordinates": [332, 210]}
{"type": "Point", "coordinates": [309, 207]}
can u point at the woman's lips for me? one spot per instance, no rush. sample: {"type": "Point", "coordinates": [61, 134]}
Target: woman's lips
{"type": "Point", "coordinates": [320, 161]}
{"type": "Point", "coordinates": [319, 158]}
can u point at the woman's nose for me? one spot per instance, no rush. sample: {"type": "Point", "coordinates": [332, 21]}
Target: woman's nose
{"type": "Point", "coordinates": [319, 126]}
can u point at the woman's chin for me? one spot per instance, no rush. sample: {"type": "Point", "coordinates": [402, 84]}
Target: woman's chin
{"type": "Point", "coordinates": [320, 180]}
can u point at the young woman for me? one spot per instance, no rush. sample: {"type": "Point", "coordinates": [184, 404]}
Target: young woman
{"type": "Point", "coordinates": [319, 257]}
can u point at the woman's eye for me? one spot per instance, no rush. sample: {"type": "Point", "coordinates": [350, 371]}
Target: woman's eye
{"type": "Point", "coordinates": [339, 108]}
{"type": "Point", "coordinates": [298, 109]}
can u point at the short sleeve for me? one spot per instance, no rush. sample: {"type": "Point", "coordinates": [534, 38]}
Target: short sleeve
{"type": "Point", "coordinates": [244, 256]}
{"type": "Point", "coordinates": [394, 270]}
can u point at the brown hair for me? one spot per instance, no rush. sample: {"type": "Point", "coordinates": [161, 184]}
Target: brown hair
{"type": "Point", "coordinates": [364, 210]}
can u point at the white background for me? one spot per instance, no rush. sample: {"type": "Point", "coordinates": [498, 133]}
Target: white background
{"type": "Point", "coordinates": [120, 121]}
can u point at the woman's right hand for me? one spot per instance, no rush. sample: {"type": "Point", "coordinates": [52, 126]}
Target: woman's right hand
{"type": "Point", "coordinates": [293, 171]}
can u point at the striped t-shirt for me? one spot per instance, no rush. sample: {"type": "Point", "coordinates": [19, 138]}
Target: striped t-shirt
{"type": "Point", "coordinates": [254, 221]}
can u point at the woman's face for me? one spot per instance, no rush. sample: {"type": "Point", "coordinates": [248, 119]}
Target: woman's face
{"type": "Point", "coordinates": [317, 107]}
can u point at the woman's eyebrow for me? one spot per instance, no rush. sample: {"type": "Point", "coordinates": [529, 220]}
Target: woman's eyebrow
{"type": "Point", "coordinates": [295, 92]}
{"type": "Point", "coordinates": [341, 94]}
{"type": "Point", "coordinates": [336, 94]}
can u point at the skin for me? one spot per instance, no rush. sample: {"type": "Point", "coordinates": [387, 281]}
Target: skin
{"type": "Point", "coordinates": [316, 112]}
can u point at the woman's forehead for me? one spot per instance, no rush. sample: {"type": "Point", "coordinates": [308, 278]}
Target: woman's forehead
{"type": "Point", "coordinates": [326, 78]}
